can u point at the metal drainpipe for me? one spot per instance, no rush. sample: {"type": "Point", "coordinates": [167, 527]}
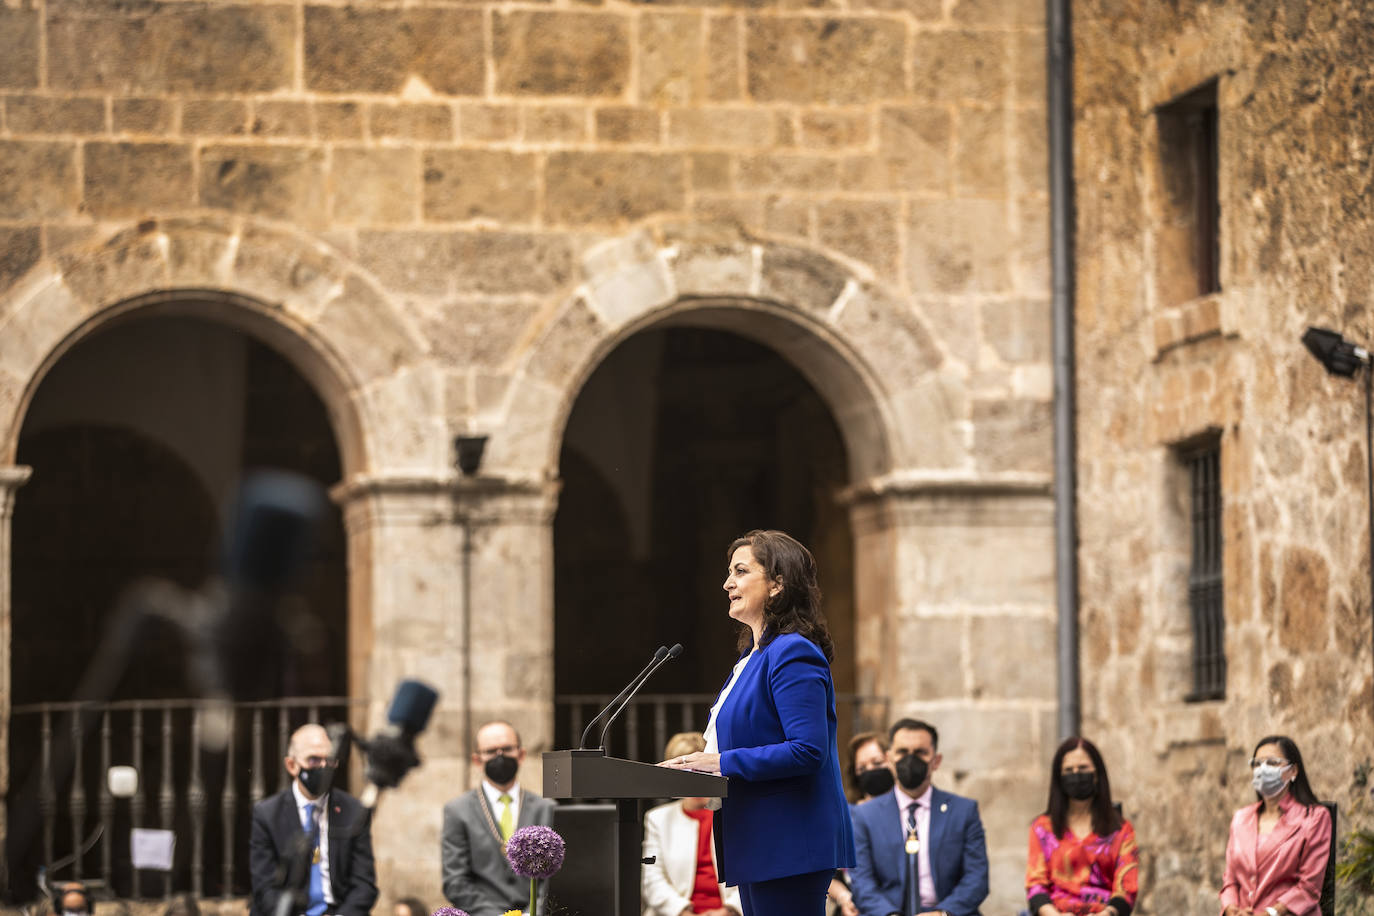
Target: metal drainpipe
{"type": "Point", "coordinates": [1059, 48]}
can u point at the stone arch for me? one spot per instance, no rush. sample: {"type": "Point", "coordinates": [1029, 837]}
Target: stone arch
{"type": "Point", "coordinates": [291, 291]}
{"type": "Point", "coordinates": [872, 358]}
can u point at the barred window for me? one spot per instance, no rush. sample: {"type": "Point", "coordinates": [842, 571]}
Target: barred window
{"type": "Point", "coordinates": [1204, 573]}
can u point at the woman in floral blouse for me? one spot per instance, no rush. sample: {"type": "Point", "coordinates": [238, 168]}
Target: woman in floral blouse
{"type": "Point", "coordinates": [1083, 855]}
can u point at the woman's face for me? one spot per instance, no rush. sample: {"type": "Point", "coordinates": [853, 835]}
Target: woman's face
{"type": "Point", "coordinates": [869, 757]}
{"type": "Point", "coordinates": [748, 588]}
{"type": "Point", "coordinates": [1077, 761]}
{"type": "Point", "coordinates": [1273, 755]}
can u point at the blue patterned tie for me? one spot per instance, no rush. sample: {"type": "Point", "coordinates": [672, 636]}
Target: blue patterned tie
{"type": "Point", "coordinates": [913, 873]}
{"type": "Point", "coordinates": [312, 829]}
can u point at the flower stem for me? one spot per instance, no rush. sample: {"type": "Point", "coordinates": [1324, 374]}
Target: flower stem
{"type": "Point", "coordinates": [534, 901]}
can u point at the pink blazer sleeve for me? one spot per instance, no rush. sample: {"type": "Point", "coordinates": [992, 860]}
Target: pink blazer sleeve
{"type": "Point", "coordinates": [1315, 834]}
{"type": "Point", "coordinates": [1229, 895]}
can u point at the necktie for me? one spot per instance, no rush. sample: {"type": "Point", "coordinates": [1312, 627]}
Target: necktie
{"type": "Point", "coordinates": [913, 874]}
{"type": "Point", "coordinates": [507, 821]}
{"type": "Point", "coordinates": [316, 906]}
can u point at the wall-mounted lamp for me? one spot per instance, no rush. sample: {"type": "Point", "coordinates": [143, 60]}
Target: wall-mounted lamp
{"type": "Point", "coordinates": [470, 450]}
{"type": "Point", "coordinates": [1343, 358]}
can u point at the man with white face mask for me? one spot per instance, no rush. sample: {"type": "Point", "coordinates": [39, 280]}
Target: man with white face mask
{"type": "Point", "coordinates": [1277, 852]}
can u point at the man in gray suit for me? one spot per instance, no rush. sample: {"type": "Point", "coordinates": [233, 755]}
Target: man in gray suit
{"type": "Point", "coordinates": [476, 875]}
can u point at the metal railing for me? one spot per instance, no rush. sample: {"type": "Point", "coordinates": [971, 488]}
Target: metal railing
{"type": "Point", "coordinates": [656, 717]}
{"type": "Point", "coordinates": [205, 797]}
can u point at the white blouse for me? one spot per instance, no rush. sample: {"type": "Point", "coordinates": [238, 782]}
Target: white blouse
{"type": "Point", "coordinates": [712, 745]}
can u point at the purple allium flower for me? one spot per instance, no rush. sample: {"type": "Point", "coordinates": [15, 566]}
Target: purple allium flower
{"type": "Point", "coordinates": [535, 851]}
{"type": "Point", "coordinates": [450, 911]}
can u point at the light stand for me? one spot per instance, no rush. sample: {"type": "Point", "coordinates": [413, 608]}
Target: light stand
{"type": "Point", "coordinates": [469, 450]}
{"type": "Point", "coordinates": [1343, 358]}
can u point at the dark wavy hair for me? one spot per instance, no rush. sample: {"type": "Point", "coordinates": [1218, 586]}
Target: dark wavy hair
{"type": "Point", "coordinates": [1106, 819]}
{"type": "Point", "coordinates": [795, 609]}
{"type": "Point", "coordinates": [1301, 789]}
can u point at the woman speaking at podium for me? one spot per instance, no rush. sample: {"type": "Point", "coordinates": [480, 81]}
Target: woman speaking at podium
{"type": "Point", "coordinates": [784, 827]}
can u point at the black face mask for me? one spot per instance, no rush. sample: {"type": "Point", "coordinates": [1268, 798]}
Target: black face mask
{"type": "Point", "coordinates": [501, 769]}
{"type": "Point", "coordinates": [875, 781]}
{"type": "Point", "coordinates": [912, 771]}
{"type": "Point", "coordinates": [316, 780]}
{"type": "Point", "coordinates": [1080, 786]}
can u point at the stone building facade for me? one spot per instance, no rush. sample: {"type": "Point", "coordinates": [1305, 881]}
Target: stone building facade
{"type": "Point", "coordinates": [446, 215]}
{"type": "Point", "coordinates": [1163, 364]}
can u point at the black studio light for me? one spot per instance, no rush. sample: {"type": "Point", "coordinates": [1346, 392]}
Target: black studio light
{"type": "Point", "coordinates": [1338, 355]}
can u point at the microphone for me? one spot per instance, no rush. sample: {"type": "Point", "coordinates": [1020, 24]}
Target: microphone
{"type": "Point", "coordinates": [391, 752]}
{"type": "Point", "coordinates": [659, 656]}
{"type": "Point", "coordinates": [673, 653]}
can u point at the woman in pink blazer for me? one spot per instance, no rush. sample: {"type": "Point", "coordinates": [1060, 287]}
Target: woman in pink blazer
{"type": "Point", "coordinates": [1277, 853]}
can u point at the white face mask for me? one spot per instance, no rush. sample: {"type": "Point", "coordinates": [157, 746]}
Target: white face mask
{"type": "Point", "coordinates": [1268, 780]}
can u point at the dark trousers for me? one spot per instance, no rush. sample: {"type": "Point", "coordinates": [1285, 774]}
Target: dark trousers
{"type": "Point", "coordinates": [795, 895]}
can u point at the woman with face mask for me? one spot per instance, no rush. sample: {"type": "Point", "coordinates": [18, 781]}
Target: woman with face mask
{"type": "Point", "coordinates": [870, 777]}
{"type": "Point", "coordinates": [1083, 857]}
{"type": "Point", "coordinates": [1276, 855]}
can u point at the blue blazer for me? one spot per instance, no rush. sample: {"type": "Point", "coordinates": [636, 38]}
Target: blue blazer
{"type": "Point", "coordinates": [786, 813]}
{"type": "Point", "coordinates": [958, 855]}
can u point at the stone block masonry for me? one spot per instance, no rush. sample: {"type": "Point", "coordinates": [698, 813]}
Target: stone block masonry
{"type": "Point", "coordinates": [429, 187]}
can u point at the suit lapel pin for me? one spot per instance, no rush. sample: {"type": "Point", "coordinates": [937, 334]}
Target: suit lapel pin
{"type": "Point", "coordinates": [944, 808]}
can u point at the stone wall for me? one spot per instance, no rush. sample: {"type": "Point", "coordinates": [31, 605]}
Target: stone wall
{"type": "Point", "coordinates": [1294, 176]}
{"type": "Point", "coordinates": [446, 214]}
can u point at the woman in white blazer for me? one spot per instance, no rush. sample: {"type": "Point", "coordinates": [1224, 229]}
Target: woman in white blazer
{"type": "Point", "coordinates": [673, 837]}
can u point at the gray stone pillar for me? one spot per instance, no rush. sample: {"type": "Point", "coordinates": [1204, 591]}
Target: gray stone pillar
{"type": "Point", "coordinates": [509, 528]}
{"type": "Point", "coordinates": [954, 591]}
{"type": "Point", "coordinates": [11, 479]}
{"type": "Point", "coordinates": [450, 582]}
{"type": "Point", "coordinates": [405, 621]}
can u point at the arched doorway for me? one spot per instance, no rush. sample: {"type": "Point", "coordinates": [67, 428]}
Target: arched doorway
{"type": "Point", "coordinates": [136, 435]}
{"type": "Point", "coordinates": [682, 438]}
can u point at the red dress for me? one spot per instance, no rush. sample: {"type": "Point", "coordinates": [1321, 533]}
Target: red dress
{"type": "Point", "coordinates": [706, 886]}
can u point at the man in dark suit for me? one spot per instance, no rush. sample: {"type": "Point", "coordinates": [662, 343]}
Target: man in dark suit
{"type": "Point", "coordinates": [325, 831]}
{"type": "Point", "coordinates": [476, 876]}
{"type": "Point", "coordinates": [919, 831]}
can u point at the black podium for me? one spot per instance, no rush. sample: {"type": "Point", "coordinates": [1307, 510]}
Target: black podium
{"type": "Point", "coordinates": [605, 842]}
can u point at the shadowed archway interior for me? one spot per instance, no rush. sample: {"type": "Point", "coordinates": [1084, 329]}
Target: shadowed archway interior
{"type": "Point", "coordinates": [136, 437]}
{"type": "Point", "coordinates": [682, 439]}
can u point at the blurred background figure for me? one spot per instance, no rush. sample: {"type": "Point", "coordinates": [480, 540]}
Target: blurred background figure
{"type": "Point", "coordinates": [869, 777]}
{"type": "Point", "coordinates": [1276, 855]}
{"type": "Point", "coordinates": [1083, 857]}
{"type": "Point", "coordinates": [683, 878]}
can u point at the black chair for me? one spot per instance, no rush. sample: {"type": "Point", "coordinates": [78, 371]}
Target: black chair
{"type": "Point", "coordinates": [1328, 898]}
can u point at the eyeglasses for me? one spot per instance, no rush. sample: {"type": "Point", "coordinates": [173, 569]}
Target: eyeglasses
{"type": "Point", "coordinates": [1268, 762]}
{"type": "Point", "coordinates": [315, 762]}
{"type": "Point", "coordinates": [508, 750]}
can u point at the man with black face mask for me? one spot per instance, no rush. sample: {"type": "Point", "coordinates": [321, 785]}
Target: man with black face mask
{"type": "Point", "coordinates": [920, 850]}
{"type": "Point", "coordinates": [313, 830]}
{"type": "Point", "coordinates": [476, 876]}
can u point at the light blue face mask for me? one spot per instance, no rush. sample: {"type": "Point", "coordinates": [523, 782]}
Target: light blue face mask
{"type": "Point", "coordinates": [1268, 780]}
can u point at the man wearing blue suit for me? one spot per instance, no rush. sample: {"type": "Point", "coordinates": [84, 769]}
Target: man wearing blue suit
{"type": "Point", "coordinates": [951, 856]}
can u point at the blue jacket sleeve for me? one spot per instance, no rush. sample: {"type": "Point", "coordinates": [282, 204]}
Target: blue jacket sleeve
{"type": "Point", "coordinates": [972, 888]}
{"type": "Point", "coordinates": [863, 878]}
{"type": "Point", "coordinates": [798, 682]}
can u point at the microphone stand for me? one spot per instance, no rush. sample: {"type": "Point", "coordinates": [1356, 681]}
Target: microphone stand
{"type": "Point", "coordinates": [672, 653]}
{"type": "Point", "coordinates": [638, 679]}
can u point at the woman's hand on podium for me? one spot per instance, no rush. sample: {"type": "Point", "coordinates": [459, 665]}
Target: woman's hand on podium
{"type": "Point", "coordinates": [699, 762]}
